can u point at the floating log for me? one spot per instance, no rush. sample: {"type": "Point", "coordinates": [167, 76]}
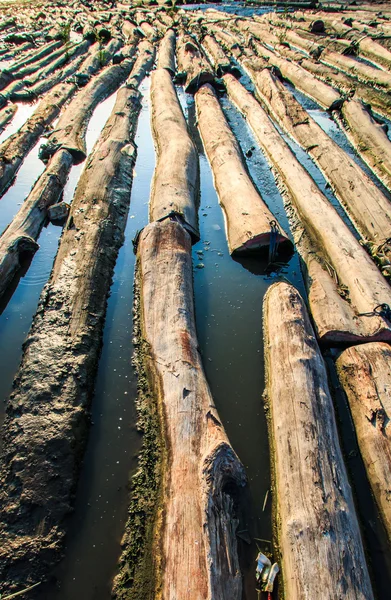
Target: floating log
{"type": "Point", "coordinates": [64, 52]}
{"type": "Point", "coordinates": [131, 31]}
{"type": "Point", "coordinates": [192, 62]}
{"type": "Point", "coordinates": [365, 375]}
{"type": "Point", "coordinates": [195, 538]}
{"type": "Point", "coordinates": [332, 254]}
{"type": "Point", "coordinates": [366, 205]}
{"type": "Point", "coordinates": [166, 56]}
{"type": "Point", "coordinates": [362, 71]}
{"type": "Point", "coordinates": [175, 184]}
{"type": "Point", "coordinates": [14, 149]}
{"type": "Point", "coordinates": [18, 243]}
{"type": "Point", "coordinates": [249, 223]}
{"type": "Point", "coordinates": [7, 114]}
{"type": "Point", "coordinates": [75, 51]}
{"type": "Point", "coordinates": [72, 126]}
{"type": "Point", "coordinates": [35, 56]}
{"type": "Point", "coordinates": [216, 55]}
{"type": "Point", "coordinates": [322, 555]}
{"type": "Point", "coordinates": [45, 426]}
{"type": "Point", "coordinates": [369, 138]}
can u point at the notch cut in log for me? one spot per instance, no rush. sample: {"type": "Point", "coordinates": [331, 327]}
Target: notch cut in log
{"type": "Point", "coordinates": [175, 184]}
{"type": "Point", "coordinates": [194, 539]}
{"type": "Point", "coordinates": [322, 555]}
{"type": "Point", "coordinates": [192, 61]}
{"type": "Point", "coordinates": [45, 426]}
{"type": "Point", "coordinates": [250, 226]}
{"type": "Point", "coordinates": [365, 375]}
{"type": "Point", "coordinates": [344, 305]}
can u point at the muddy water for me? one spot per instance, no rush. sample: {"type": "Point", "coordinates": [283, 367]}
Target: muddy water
{"type": "Point", "coordinates": [18, 308]}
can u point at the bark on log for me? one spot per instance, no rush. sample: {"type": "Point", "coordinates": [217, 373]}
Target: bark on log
{"type": "Point", "coordinates": [14, 149]}
{"type": "Point", "coordinates": [322, 555]}
{"type": "Point", "coordinates": [175, 184]}
{"type": "Point", "coordinates": [330, 241]}
{"type": "Point", "coordinates": [166, 55]}
{"type": "Point", "coordinates": [45, 427]}
{"type": "Point", "coordinates": [70, 131]}
{"type": "Point", "coordinates": [6, 115]}
{"type": "Point", "coordinates": [18, 242]}
{"type": "Point", "coordinates": [77, 50]}
{"type": "Point", "coordinates": [192, 62]}
{"type": "Point", "coordinates": [366, 205]}
{"type": "Point", "coordinates": [195, 541]}
{"type": "Point", "coordinates": [365, 375]}
{"type": "Point", "coordinates": [62, 52]}
{"type": "Point", "coordinates": [249, 223]}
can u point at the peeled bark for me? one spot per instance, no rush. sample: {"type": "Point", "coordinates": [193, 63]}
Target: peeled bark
{"type": "Point", "coordinates": [46, 422]}
{"type": "Point", "coordinates": [195, 538]}
{"type": "Point", "coordinates": [175, 185]}
{"type": "Point", "coordinates": [19, 241]}
{"type": "Point", "coordinates": [365, 375]}
{"type": "Point", "coordinates": [14, 149]}
{"type": "Point", "coordinates": [346, 270]}
{"type": "Point", "coordinates": [249, 223]}
{"type": "Point", "coordinates": [166, 56]}
{"type": "Point", "coordinates": [192, 62]}
{"type": "Point", "coordinates": [322, 555]}
{"type": "Point", "coordinates": [368, 208]}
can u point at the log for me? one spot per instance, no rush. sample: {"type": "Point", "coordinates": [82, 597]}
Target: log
{"type": "Point", "coordinates": [34, 56]}
{"type": "Point", "coordinates": [362, 71]}
{"type": "Point", "coordinates": [77, 50]}
{"type": "Point", "coordinates": [166, 55]}
{"type": "Point", "coordinates": [71, 128]}
{"type": "Point", "coordinates": [46, 424]}
{"type": "Point", "coordinates": [342, 304]}
{"type": "Point", "coordinates": [7, 114]}
{"type": "Point", "coordinates": [194, 539]}
{"type": "Point", "coordinates": [14, 149]}
{"type": "Point", "coordinates": [192, 61]}
{"type": "Point", "coordinates": [365, 376]}
{"type": "Point", "coordinates": [175, 184]}
{"type": "Point", "coordinates": [23, 72]}
{"type": "Point", "coordinates": [366, 205]}
{"type": "Point", "coordinates": [322, 555]}
{"type": "Point", "coordinates": [249, 223]}
{"type": "Point", "coordinates": [18, 243]}
{"type": "Point", "coordinates": [216, 55]}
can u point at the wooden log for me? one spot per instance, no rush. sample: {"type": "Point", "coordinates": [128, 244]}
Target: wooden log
{"type": "Point", "coordinates": [18, 243]}
{"type": "Point", "coordinates": [365, 375]}
{"type": "Point", "coordinates": [36, 55]}
{"type": "Point", "coordinates": [77, 50]}
{"type": "Point", "coordinates": [216, 55]}
{"type": "Point", "coordinates": [249, 223]}
{"type": "Point", "coordinates": [22, 72]}
{"type": "Point", "coordinates": [362, 71]}
{"type": "Point", "coordinates": [192, 61]}
{"type": "Point", "coordinates": [44, 440]}
{"type": "Point", "coordinates": [366, 205]}
{"type": "Point", "coordinates": [14, 149]}
{"type": "Point", "coordinates": [338, 298]}
{"type": "Point", "coordinates": [7, 114]}
{"type": "Point", "coordinates": [70, 131]}
{"type": "Point", "coordinates": [369, 138]}
{"type": "Point", "coordinates": [166, 55]}
{"type": "Point", "coordinates": [195, 538]}
{"type": "Point", "coordinates": [322, 555]}
{"type": "Point", "coordinates": [175, 184]}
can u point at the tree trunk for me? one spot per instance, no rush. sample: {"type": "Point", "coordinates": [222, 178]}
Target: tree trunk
{"type": "Point", "coordinates": [192, 62]}
{"type": "Point", "coordinates": [331, 241]}
{"type": "Point", "coordinates": [319, 538]}
{"type": "Point", "coordinates": [34, 56]}
{"type": "Point", "coordinates": [365, 375]}
{"type": "Point", "coordinates": [249, 223]}
{"type": "Point", "coordinates": [175, 185]}
{"type": "Point", "coordinates": [362, 71]}
{"type": "Point", "coordinates": [6, 115]}
{"type": "Point", "coordinates": [195, 539]}
{"type": "Point", "coordinates": [46, 424]}
{"type": "Point", "coordinates": [166, 55]}
{"type": "Point", "coordinates": [216, 55]}
{"type": "Point", "coordinates": [74, 52]}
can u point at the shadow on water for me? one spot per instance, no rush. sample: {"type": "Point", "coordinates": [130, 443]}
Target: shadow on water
{"type": "Point", "coordinates": [97, 524]}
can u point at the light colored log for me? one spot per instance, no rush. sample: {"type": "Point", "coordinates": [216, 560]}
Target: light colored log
{"type": "Point", "coordinates": [362, 71]}
{"type": "Point", "coordinates": [175, 184]}
{"type": "Point", "coordinates": [192, 61]}
{"type": "Point", "coordinates": [77, 50]}
{"type": "Point", "coordinates": [331, 241]}
{"type": "Point", "coordinates": [322, 555]}
{"type": "Point", "coordinates": [216, 55]}
{"type": "Point", "coordinates": [62, 52]}
{"type": "Point", "coordinates": [248, 221]}
{"type": "Point", "coordinates": [166, 55]}
{"type": "Point", "coordinates": [196, 541]}
{"type": "Point", "coordinates": [365, 375]}
{"type": "Point", "coordinates": [7, 114]}
{"type": "Point", "coordinates": [61, 353]}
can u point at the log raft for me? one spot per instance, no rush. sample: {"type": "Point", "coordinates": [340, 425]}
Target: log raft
{"type": "Point", "coordinates": [175, 185]}
{"type": "Point", "coordinates": [320, 544]}
{"type": "Point", "coordinates": [250, 225]}
{"type": "Point", "coordinates": [330, 251]}
{"type": "Point", "coordinates": [365, 375]}
{"type": "Point", "coordinates": [42, 445]}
